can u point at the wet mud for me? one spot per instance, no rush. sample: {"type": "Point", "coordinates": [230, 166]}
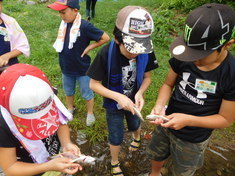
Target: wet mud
{"type": "Point", "coordinates": [219, 161]}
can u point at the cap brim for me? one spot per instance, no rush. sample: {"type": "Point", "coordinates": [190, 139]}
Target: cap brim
{"type": "Point", "coordinates": [137, 45]}
{"type": "Point", "coordinates": [37, 129]}
{"type": "Point", "coordinates": [181, 51]}
{"type": "Point", "coordinates": [57, 7]}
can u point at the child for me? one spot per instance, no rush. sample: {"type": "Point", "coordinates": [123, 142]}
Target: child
{"type": "Point", "coordinates": [32, 124]}
{"type": "Point", "coordinates": [13, 41]}
{"type": "Point", "coordinates": [202, 78]}
{"type": "Point", "coordinates": [121, 73]}
{"type": "Point", "coordinates": [73, 45]}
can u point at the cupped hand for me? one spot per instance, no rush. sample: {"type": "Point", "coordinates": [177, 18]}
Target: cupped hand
{"type": "Point", "coordinates": [63, 165]}
{"type": "Point", "coordinates": [70, 147]}
{"type": "Point", "coordinates": [158, 110]}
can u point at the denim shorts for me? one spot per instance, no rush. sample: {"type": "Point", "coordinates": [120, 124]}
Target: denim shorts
{"type": "Point", "coordinates": [186, 157]}
{"type": "Point", "coordinates": [69, 86]}
{"type": "Point", "coordinates": [115, 121]}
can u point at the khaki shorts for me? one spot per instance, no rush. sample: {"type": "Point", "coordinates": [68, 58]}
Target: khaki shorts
{"type": "Point", "coordinates": [52, 173]}
{"type": "Point", "coordinates": [186, 157]}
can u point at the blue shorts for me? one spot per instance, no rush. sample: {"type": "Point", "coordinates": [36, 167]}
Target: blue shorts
{"type": "Point", "coordinates": [69, 86]}
{"type": "Point", "coordinates": [116, 124]}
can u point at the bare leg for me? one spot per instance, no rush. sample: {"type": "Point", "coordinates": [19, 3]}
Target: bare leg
{"type": "Point", "coordinates": [156, 168]}
{"type": "Point", "coordinates": [90, 105]}
{"type": "Point", "coordinates": [114, 150]}
{"type": "Point", "coordinates": [70, 102]}
{"type": "Point", "coordinates": [90, 119]}
{"type": "Point", "coordinates": [136, 136]}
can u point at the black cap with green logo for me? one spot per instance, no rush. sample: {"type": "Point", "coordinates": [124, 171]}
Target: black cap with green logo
{"type": "Point", "coordinates": [207, 28]}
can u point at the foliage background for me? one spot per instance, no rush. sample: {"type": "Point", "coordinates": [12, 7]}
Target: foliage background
{"type": "Point", "coordinates": [41, 25]}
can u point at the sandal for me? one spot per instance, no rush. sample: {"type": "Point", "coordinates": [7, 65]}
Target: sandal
{"type": "Point", "coordinates": [135, 144]}
{"type": "Point", "coordinates": [116, 166]}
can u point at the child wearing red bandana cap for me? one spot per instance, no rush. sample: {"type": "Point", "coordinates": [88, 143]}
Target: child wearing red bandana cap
{"type": "Point", "coordinates": [32, 125]}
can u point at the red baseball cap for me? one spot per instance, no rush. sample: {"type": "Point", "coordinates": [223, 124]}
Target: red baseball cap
{"type": "Point", "coordinates": [59, 5]}
{"type": "Point", "coordinates": [28, 96]}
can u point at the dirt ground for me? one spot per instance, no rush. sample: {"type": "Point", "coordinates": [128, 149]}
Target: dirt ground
{"type": "Point", "coordinates": [219, 157]}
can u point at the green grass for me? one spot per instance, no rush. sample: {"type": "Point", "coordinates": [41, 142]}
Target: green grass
{"type": "Point", "coordinates": [40, 24]}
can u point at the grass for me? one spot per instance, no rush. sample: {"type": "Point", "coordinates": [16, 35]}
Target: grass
{"type": "Point", "coordinates": [40, 24]}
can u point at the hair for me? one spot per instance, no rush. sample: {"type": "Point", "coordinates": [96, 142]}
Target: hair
{"type": "Point", "coordinates": [118, 35]}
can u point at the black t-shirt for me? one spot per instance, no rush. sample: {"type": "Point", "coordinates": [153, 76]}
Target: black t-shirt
{"type": "Point", "coordinates": [200, 93]}
{"type": "Point", "coordinates": [70, 59]}
{"type": "Point", "coordinates": [8, 140]}
{"type": "Point", "coordinates": [98, 69]}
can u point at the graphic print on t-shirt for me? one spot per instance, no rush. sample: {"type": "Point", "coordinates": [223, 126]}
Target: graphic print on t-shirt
{"type": "Point", "coordinates": [129, 77]}
{"type": "Point", "coordinates": [201, 86]}
{"type": "Point", "coordinates": [3, 32]}
{"type": "Point", "coordinates": [52, 144]}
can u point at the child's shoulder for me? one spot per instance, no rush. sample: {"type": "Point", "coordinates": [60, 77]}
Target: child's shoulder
{"type": "Point", "coordinates": [85, 24]}
{"type": "Point", "coordinates": [6, 17]}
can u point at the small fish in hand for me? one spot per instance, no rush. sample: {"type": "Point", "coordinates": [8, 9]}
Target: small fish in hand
{"type": "Point", "coordinates": [154, 117]}
{"type": "Point", "coordinates": [138, 114]}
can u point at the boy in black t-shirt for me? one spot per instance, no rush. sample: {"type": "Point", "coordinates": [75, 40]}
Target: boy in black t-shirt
{"type": "Point", "coordinates": [121, 73]}
{"type": "Point", "coordinates": [73, 46]}
{"type": "Point", "coordinates": [202, 78]}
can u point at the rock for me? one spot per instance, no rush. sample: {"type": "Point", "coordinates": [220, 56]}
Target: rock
{"type": "Point", "coordinates": [30, 3]}
{"type": "Point", "coordinates": [42, 1]}
{"type": "Point", "coordinates": [219, 172]}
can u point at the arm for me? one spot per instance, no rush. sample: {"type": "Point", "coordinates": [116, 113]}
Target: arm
{"type": "Point", "coordinates": [18, 39]}
{"type": "Point", "coordinates": [122, 100]}
{"type": "Point", "coordinates": [12, 167]}
{"type": "Point", "coordinates": [104, 38]}
{"type": "Point", "coordinates": [64, 137]}
{"type": "Point", "coordinates": [223, 119]}
{"type": "Point", "coordinates": [4, 59]}
{"type": "Point", "coordinates": [165, 93]}
{"type": "Point", "coordinates": [139, 98]}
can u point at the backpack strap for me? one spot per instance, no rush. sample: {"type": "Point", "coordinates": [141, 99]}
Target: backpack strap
{"type": "Point", "coordinates": [109, 59]}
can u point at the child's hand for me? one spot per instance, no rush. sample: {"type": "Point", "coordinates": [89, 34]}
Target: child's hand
{"type": "Point", "coordinates": [86, 51]}
{"type": "Point", "coordinates": [139, 101]}
{"type": "Point", "coordinates": [63, 165]}
{"type": "Point", "coordinates": [70, 147]}
{"type": "Point", "coordinates": [158, 110]}
{"type": "Point", "coordinates": [126, 103]}
{"type": "Point", "coordinates": [4, 59]}
{"type": "Point", "coordinates": [178, 121]}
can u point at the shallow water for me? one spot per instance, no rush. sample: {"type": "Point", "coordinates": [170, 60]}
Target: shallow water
{"type": "Point", "coordinates": [218, 160]}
